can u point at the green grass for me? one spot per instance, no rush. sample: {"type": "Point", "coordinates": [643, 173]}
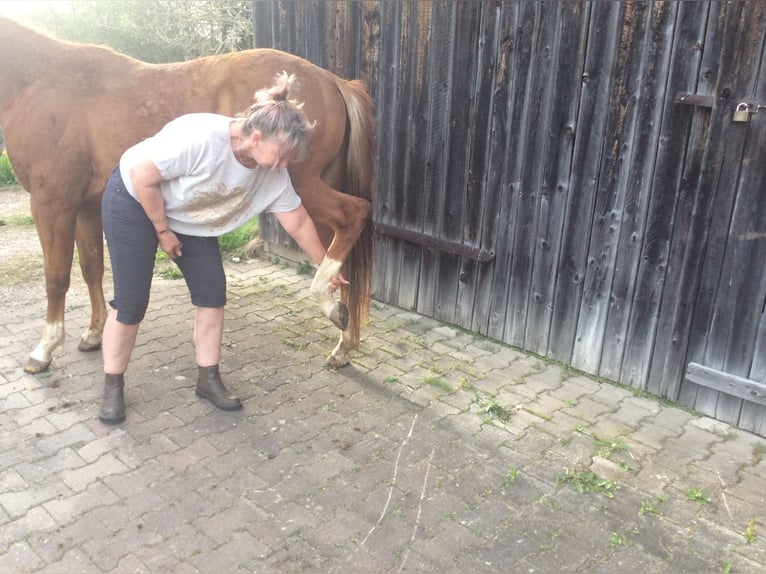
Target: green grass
{"type": "Point", "coordinates": [7, 176]}
{"type": "Point", "coordinates": [17, 221]}
{"type": "Point", "coordinates": [438, 382]}
{"type": "Point", "coordinates": [697, 495]}
{"type": "Point", "coordinates": [235, 241]}
{"type": "Point", "coordinates": [232, 243]}
{"type": "Point", "coordinates": [587, 481]}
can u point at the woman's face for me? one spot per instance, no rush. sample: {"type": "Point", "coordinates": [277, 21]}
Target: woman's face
{"type": "Point", "coordinates": [268, 152]}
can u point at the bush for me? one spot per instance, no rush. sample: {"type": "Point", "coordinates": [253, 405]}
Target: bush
{"type": "Point", "coordinates": [235, 241]}
{"type": "Point", "coordinates": [6, 172]}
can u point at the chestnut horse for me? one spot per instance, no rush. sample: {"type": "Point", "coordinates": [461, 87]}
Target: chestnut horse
{"type": "Point", "coordinates": [68, 111]}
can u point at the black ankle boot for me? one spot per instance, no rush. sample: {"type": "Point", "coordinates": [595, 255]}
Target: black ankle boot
{"type": "Point", "coordinates": [113, 403]}
{"type": "Point", "coordinates": [210, 387]}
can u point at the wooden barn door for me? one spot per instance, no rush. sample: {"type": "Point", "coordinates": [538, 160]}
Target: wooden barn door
{"type": "Point", "coordinates": [723, 237]}
{"type": "Point", "coordinates": [566, 177]}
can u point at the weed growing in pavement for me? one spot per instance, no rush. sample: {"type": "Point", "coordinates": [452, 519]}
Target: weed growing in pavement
{"type": "Point", "coordinates": [297, 345]}
{"type": "Point", "coordinates": [391, 379]}
{"type": "Point", "coordinates": [651, 507]}
{"type": "Point", "coordinates": [697, 495]}
{"type": "Point", "coordinates": [437, 382]}
{"type": "Point", "coordinates": [492, 408]}
{"type": "Point", "coordinates": [750, 532]}
{"type": "Point", "coordinates": [465, 384]}
{"type": "Point", "coordinates": [621, 539]}
{"type": "Point", "coordinates": [416, 341]}
{"type": "Point", "coordinates": [305, 268]}
{"type": "Point", "coordinates": [510, 477]}
{"type": "Point", "coordinates": [759, 449]}
{"type": "Point", "coordinates": [587, 481]}
{"type": "Point", "coordinates": [609, 446]}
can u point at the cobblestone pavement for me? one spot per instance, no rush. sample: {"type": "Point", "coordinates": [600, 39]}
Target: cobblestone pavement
{"type": "Point", "coordinates": [435, 451]}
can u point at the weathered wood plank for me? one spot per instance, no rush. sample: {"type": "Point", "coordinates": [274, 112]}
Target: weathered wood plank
{"type": "Point", "coordinates": [385, 250]}
{"type": "Point", "coordinates": [497, 153]}
{"type": "Point", "coordinates": [753, 417]}
{"type": "Point", "coordinates": [463, 71]}
{"type": "Point", "coordinates": [569, 42]}
{"type": "Point", "coordinates": [534, 130]}
{"type": "Point", "coordinates": [619, 133]}
{"type": "Point", "coordinates": [435, 148]}
{"type": "Point", "coordinates": [520, 18]}
{"type": "Point", "coordinates": [727, 383]}
{"type": "Point", "coordinates": [600, 56]}
{"type": "Point", "coordinates": [477, 160]}
{"type": "Point", "coordinates": [655, 66]}
{"type": "Point", "coordinates": [696, 194]}
{"type": "Point", "coordinates": [407, 189]}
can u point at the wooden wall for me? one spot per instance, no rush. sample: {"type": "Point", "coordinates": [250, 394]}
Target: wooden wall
{"type": "Point", "coordinates": [556, 188]}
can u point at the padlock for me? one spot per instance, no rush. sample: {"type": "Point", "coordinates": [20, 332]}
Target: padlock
{"type": "Point", "coordinates": [742, 114]}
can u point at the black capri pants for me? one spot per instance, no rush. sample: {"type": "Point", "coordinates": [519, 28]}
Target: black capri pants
{"type": "Point", "coordinates": [132, 244]}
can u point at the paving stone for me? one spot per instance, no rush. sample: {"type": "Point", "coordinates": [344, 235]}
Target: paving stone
{"type": "Point", "coordinates": [17, 530]}
{"type": "Point", "coordinates": [375, 467]}
{"type": "Point", "coordinates": [75, 560]}
{"type": "Point", "coordinates": [19, 557]}
{"type": "Point", "coordinates": [64, 510]}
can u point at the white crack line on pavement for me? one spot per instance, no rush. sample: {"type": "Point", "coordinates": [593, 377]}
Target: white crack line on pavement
{"type": "Point", "coordinates": [393, 482]}
{"type": "Point", "coordinates": [420, 509]}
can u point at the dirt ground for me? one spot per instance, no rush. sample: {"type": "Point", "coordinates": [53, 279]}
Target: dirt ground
{"type": "Point", "coordinates": [22, 278]}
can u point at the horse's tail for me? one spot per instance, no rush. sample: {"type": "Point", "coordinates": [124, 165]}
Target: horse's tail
{"type": "Point", "coordinates": [360, 181]}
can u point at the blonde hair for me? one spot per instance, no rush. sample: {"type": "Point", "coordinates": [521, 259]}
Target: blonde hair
{"type": "Point", "coordinates": [280, 118]}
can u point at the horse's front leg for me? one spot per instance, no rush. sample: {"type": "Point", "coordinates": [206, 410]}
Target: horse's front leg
{"type": "Point", "coordinates": [90, 247]}
{"type": "Point", "coordinates": [55, 228]}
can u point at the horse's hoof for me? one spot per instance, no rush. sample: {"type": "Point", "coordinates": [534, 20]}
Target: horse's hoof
{"type": "Point", "coordinates": [336, 362]}
{"type": "Point", "coordinates": [88, 347]}
{"type": "Point", "coordinates": [339, 316]}
{"type": "Point", "coordinates": [35, 367]}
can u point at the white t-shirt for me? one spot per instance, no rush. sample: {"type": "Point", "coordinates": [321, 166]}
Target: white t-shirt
{"type": "Point", "coordinates": [206, 191]}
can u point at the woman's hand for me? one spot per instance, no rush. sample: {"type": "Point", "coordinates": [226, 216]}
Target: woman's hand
{"type": "Point", "coordinates": [337, 281]}
{"type": "Point", "coordinates": [170, 243]}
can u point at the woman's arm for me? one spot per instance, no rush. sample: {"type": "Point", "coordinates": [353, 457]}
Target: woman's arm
{"type": "Point", "coordinates": [146, 179]}
{"type": "Point", "coordinates": [299, 225]}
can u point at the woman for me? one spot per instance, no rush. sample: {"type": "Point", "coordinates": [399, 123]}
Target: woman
{"type": "Point", "coordinates": [201, 176]}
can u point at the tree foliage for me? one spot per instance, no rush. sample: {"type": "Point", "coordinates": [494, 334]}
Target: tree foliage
{"type": "Point", "coordinates": [157, 30]}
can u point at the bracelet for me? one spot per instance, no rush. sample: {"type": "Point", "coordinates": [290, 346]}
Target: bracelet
{"type": "Point", "coordinates": [163, 231]}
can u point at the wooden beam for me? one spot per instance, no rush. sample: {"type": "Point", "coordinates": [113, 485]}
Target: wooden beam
{"type": "Point", "coordinates": [747, 389]}
{"type": "Point", "coordinates": [694, 100]}
{"type": "Point", "coordinates": [436, 243]}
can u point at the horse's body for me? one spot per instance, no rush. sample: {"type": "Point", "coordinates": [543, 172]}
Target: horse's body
{"type": "Point", "coordinates": [68, 111]}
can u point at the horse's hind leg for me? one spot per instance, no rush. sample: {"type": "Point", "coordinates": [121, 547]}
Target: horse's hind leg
{"type": "Point", "coordinates": [55, 227]}
{"type": "Point", "coordinates": [347, 216]}
{"type": "Point", "coordinates": [90, 248]}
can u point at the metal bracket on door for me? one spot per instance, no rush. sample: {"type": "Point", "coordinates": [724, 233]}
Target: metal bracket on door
{"type": "Point", "coordinates": [430, 242]}
{"type": "Point", "coordinates": [745, 108]}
